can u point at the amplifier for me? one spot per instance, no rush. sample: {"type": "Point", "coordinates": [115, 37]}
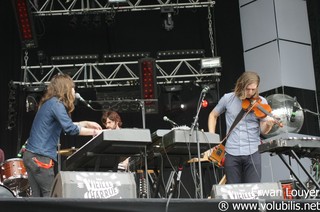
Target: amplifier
{"type": "Point", "coordinates": [94, 185]}
{"type": "Point", "coordinates": [247, 191]}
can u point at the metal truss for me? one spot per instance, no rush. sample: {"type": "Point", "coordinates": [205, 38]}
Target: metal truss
{"type": "Point", "coordinates": [73, 7]}
{"type": "Point", "coordinates": [114, 74]}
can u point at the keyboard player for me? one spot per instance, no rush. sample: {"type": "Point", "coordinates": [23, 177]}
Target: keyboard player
{"type": "Point", "coordinates": [111, 120]}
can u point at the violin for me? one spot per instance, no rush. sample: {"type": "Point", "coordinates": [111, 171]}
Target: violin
{"type": "Point", "coordinates": [259, 109]}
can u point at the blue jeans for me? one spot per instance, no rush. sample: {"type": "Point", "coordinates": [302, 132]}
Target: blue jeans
{"type": "Point", "coordinates": [243, 169]}
{"type": "Point", "coordinates": [40, 179]}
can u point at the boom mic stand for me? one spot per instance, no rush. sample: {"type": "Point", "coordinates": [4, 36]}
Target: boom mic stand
{"type": "Point", "coordinates": [143, 116]}
{"type": "Point", "coordinates": [195, 125]}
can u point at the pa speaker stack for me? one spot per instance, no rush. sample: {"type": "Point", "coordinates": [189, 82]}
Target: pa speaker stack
{"type": "Point", "coordinates": [247, 191]}
{"type": "Point", "coordinates": [94, 185]}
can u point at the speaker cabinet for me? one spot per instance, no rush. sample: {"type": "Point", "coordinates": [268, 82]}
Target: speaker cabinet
{"type": "Point", "coordinates": [94, 185]}
{"type": "Point", "coordinates": [247, 191]}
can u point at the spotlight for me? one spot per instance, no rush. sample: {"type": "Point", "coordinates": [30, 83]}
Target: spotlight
{"type": "Point", "coordinates": [25, 23]}
{"type": "Point", "coordinates": [214, 62]}
{"type": "Point", "coordinates": [204, 103]}
{"type": "Point", "coordinates": [167, 12]}
{"type": "Point", "coordinates": [31, 103]}
{"type": "Point", "coordinates": [148, 84]}
{"type": "Point", "coordinates": [117, 1]}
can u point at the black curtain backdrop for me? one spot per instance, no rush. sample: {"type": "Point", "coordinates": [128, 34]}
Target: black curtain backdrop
{"type": "Point", "coordinates": [129, 32]}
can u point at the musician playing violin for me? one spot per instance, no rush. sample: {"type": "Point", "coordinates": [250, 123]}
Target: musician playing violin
{"type": "Point", "coordinates": [242, 163]}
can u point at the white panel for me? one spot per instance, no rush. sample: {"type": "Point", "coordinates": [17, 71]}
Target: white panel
{"type": "Point", "coordinates": [297, 65]}
{"type": "Point", "coordinates": [257, 23]}
{"type": "Point", "coordinates": [242, 2]}
{"type": "Point", "coordinates": [265, 61]}
{"type": "Point", "coordinates": [274, 170]}
{"type": "Point", "coordinates": [292, 20]}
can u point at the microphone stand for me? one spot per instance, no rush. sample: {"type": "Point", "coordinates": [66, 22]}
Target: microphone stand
{"type": "Point", "coordinates": [195, 125]}
{"type": "Point", "coordinates": [143, 114]}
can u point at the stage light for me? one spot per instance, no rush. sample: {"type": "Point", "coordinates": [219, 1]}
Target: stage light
{"type": "Point", "coordinates": [32, 102]}
{"type": "Point", "coordinates": [204, 103]}
{"type": "Point", "coordinates": [167, 12]}
{"type": "Point", "coordinates": [75, 57]}
{"type": "Point", "coordinates": [117, 1]}
{"type": "Point", "coordinates": [122, 55]}
{"type": "Point", "coordinates": [148, 84]}
{"type": "Point", "coordinates": [12, 113]}
{"type": "Point", "coordinates": [25, 23]}
{"type": "Point", "coordinates": [214, 62]}
{"type": "Point", "coordinates": [184, 53]}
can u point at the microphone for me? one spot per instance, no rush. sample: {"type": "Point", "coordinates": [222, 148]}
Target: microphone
{"type": "Point", "coordinates": [22, 150]}
{"type": "Point", "coordinates": [165, 118]}
{"type": "Point", "coordinates": [205, 89]}
{"type": "Point", "coordinates": [79, 97]}
{"type": "Point", "coordinates": [295, 107]}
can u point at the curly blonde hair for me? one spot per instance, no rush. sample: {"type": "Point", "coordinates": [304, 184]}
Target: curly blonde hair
{"type": "Point", "coordinates": [243, 81]}
{"type": "Point", "coordinates": [60, 86]}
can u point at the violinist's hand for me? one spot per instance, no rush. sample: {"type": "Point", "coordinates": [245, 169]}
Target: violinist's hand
{"type": "Point", "coordinates": [267, 125]}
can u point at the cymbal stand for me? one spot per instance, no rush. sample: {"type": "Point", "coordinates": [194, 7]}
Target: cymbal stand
{"type": "Point", "coordinates": [195, 125]}
{"type": "Point", "coordinates": [59, 157]}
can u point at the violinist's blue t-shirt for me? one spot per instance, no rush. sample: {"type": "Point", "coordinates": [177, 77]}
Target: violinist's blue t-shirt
{"type": "Point", "coordinates": [244, 139]}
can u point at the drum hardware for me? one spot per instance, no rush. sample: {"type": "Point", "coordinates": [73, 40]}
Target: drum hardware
{"type": "Point", "coordinates": [67, 152]}
{"type": "Point", "coordinates": [5, 192]}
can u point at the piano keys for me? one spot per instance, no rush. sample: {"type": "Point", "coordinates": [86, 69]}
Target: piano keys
{"type": "Point", "coordinates": [302, 145]}
{"type": "Point", "coordinates": [176, 146]}
{"type": "Point", "coordinates": [180, 142]}
{"type": "Point", "coordinates": [104, 150]}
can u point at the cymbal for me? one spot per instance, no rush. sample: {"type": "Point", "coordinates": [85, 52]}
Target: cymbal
{"type": "Point", "coordinates": [67, 152]}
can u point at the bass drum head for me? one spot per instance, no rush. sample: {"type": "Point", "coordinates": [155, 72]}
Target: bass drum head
{"type": "Point", "coordinates": [5, 192]}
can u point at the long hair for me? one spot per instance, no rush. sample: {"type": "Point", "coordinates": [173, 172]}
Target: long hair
{"type": "Point", "coordinates": [60, 86]}
{"type": "Point", "coordinates": [112, 115]}
{"type": "Point", "coordinates": [243, 81]}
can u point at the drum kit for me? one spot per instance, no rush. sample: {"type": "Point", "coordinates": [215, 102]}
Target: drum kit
{"type": "Point", "coordinates": [14, 177]}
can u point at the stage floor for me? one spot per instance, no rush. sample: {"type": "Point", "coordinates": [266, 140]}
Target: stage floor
{"type": "Point", "coordinates": [28, 204]}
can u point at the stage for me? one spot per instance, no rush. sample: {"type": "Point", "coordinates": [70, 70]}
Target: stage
{"type": "Point", "coordinates": [155, 205]}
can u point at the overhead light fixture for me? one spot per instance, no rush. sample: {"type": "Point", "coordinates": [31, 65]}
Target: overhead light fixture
{"type": "Point", "coordinates": [167, 12]}
{"type": "Point", "coordinates": [122, 55]}
{"type": "Point", "coordinates": [25, 23]}
{"type": "Point", "coordinates": [117, 1]}
{"type": "Point", "coordinates": [32, 103]}
{"type": "Point", "coordinates": [148, 84]}
{"type": "Point", "coordinates": [213, 62]}
{"type": "Point", "coordinates": [75, 57]}
{"type": "Point", "coordinates": [184, 53]}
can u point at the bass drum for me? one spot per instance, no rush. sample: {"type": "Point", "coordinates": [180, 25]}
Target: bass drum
{"type": "Point", "coordinates": [5, 192]}
{"type": "Point", "coordinates": [14, 174]}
